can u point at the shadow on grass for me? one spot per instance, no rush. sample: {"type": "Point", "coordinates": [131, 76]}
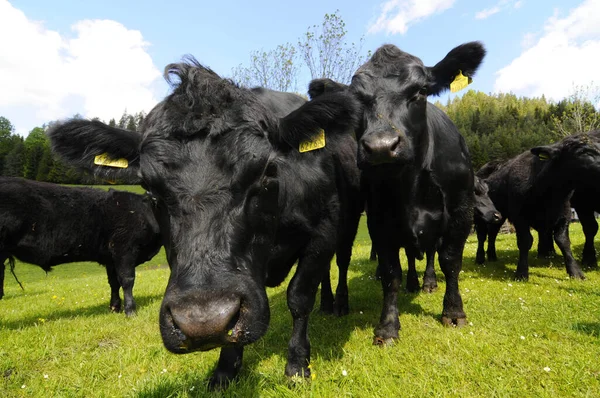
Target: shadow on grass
{"type": "Point", "coordinates": [51, 314]}
{"type": "Point", "coordinates": [587, 328]}
{"type": "Point", "coordinates": [505, 266]}
{"type": "Point", "coordinates": [328, 334]}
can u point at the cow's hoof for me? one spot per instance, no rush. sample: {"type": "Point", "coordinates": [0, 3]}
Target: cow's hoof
{"type": "Point", "coordinates": [577, 275]}
{"type": "Point", "coordinates": [130, 313]}
{"type": "Point", "coordinates": [519, 276]}
{"type": "Point", "coordinates": [384, 342]}
{"type": "Point", "coordinates": [220, 380]}
{"type": "Point", "coordinates": [296, 372]}
{"type": "Point", "coordinates": [413, 287]}
{"type": "Point", "coordinates": [430, 287]}
{"type": "Point", "coordinates": [480, 260]}
{"type": "Point", "coordinates": [326, 308]}
{"type": "Point", "coordinates": [341, 310]}
{"type": "Point", "coordinates": [115, 308]}
{"type": "Point", "coordinates": [457, 321]}
{"type": "Point", "coordinates": [589, 263]}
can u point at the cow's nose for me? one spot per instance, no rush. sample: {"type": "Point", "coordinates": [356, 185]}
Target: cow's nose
{"type": "Point", "coordinates": [497, 216]}
{"type": "Point", "coordinates": [204, 324]}
{"type": "Point", "coordinates": [381, 149]}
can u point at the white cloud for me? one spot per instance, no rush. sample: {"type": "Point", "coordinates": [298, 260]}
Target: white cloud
{"type": "Point", "coordinates": [487, 12]}
{"type": "Point", "coordinates": [566, 55]}
{"type": "Point", "coordinates": [398, 15]}
{"type": "Point", "coordinates": [500, 6]}
{"type": "Point", "coordinates": [99, 71]}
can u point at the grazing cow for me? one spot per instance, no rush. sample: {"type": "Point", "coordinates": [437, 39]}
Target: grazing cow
{"type": "Point", "coordinates": [47, 224]}
{"type": "Point", "coordinates": [241, 196]}
{"type": "Point", "coordinates": [416, 168]}
{"type": "Point", "coordinates": [484, 213]}
{"type": "Point", "coordinates": [533, 190]}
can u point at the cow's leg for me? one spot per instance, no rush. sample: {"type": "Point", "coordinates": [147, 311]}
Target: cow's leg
{"type": "Point", "coordinates": [561, 236]}
{"type": "Point", "coordinates": [481, 228]}
{"type": "Point", "coordinates": [301, 294]}
{"type": "Point", "coordinates": [430, 280]}
{"type": "Point", "coordinates": [2, 269]}
{"type": "Point", "coordinates": [524, 243]}
{"type": "Point", "coordinates": [590, 229]}
{"type": "Point", "coordinates": [113, 281]}
{"type": "Point", "coordinates": [230, 363]}
{"type": "Point", "coordinates": [373, 254]}
{"type": "Point", "coordinates": [326, 294]}
{"type": "Point", "coordinates": [492, 231]}
{"type": "Point", "coordinates": [125, 268]}
{"type": "Point", "coordinates": [391, 280]}
{"type": "Point", "coordinates": [450, 258]}
{"type": "Point", "coordinates": [346, 236]}
{"type": "Point", "coordinates": [545, 244]}
{"type": "Point", "coordinates": [412, 278]}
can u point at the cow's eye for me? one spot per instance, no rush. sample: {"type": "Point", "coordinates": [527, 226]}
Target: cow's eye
{"type": "Point", "coordinates": [423, 90]}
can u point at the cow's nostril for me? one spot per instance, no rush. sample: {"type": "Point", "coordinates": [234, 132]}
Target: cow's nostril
{"type": "Point", "coordinates": [394, 144]}
{"type": "Point", "coordinates": [497, 216]}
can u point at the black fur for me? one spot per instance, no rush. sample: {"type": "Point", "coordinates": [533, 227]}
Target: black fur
{"type": "Point", "coordinates": [238, 205]}
{"type": "Point", "coordinates": [418, 172]}
{"type": "Point", "coordinates": [533, 190]}
{"type": "Point", "coordinates": [46, 225]}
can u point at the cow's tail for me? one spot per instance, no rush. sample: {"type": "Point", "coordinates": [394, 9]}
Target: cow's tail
{"type": "Point", "coordinates": [11, 264]}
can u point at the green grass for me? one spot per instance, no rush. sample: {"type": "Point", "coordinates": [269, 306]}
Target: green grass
{"type": "Point", "coordinates": [538, 338]}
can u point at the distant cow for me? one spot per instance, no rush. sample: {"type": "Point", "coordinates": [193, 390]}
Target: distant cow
{"type": "Point", "coordinates": [416, 167]}
{"type": "Point", "coordinates": [242, 195]}
{"type": "Point", "coordinates": [533, 190]}
{"type": "Point", "coordinates": [47, 224]}
{"type": "Point", "coordinates": [484, 213]}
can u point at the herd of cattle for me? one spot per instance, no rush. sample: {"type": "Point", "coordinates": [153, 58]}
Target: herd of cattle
{"type": "Point", "coordinates": [244, 183]}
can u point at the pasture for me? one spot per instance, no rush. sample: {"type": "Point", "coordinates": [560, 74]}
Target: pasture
{"type": "Point", "coordinates": [538, 338]}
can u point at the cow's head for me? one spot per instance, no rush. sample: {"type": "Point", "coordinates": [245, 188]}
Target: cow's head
{"type": "Point", "coordinates": [393, 87]}
{"type": "Point", "coordinates": [210, 153]}
{"type": "Point", "coordinates": [578, 155]}
{"type": "Point", "coordinates": [484, 207]}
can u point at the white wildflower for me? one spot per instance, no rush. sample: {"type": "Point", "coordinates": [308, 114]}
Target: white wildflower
{"type": "Point", "coordinates": [547, 369]}
{"type": "Point", "coordinates": [344, 373]}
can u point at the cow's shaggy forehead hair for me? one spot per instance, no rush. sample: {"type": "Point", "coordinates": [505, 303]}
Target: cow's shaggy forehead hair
{"type": "Point", "coordinates": [389, 60]}
{"type": "Point", "coordinates": [203, 103]}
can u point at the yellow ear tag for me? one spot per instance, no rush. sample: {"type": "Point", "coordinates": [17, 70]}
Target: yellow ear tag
{"type": "Point", "coordinates": [104, 160]}
{"type": "Point", "coordinates": [543, 156]}
{"type": "Point", "coordinates": [460, 81]}
{"type": "Point", "coordinates": [317, 142]}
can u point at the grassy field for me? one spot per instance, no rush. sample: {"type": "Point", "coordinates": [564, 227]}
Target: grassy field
{"type": "Point", "coordinates": [538, 338]}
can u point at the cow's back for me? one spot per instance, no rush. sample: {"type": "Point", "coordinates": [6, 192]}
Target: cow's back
{"type": "Point", "coordinates": [42, 221]}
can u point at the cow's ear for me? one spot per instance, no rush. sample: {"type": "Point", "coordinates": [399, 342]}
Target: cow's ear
{"type": "Point", "coordinates": [544, 152]}
{"type": "Point", "coordinates": [462, 60]}
{"type": "Point", "coordinates": [318, 87]}
{"type": "Point", "coordinates": [94, 146]}
{"type": "Point", "coordinates": [330, 113]}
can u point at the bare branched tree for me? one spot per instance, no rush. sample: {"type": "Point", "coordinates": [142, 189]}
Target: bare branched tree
{"type": "Point", "coordinates": [580, 113]}
{"type": "Point", "coordinates": [275, 69]}
{"type": "Point", "coordinates": [325, 52]}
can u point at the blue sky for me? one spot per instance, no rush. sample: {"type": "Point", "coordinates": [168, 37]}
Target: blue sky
{"type": "Point", "coordinates": [98, 58]}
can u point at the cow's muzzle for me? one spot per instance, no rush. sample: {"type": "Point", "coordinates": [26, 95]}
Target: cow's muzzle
{"type": "Point", "coordinates": [196, 323]}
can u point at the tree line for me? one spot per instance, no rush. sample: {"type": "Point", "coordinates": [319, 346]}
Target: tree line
{"type": "Point", "coordinates": [32, 158]}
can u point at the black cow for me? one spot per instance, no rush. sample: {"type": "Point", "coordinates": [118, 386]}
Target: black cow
{"type": "Point", "coordinates": [47, 224]}
{"type": "Point", "coordinates": [484, 213]}
{"type": "Point", "coordinates": [533, 190]}
{"type": "Point", "coordinates": [416, 167]}
{"type": "Point", "coordinates": [238, 205]}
